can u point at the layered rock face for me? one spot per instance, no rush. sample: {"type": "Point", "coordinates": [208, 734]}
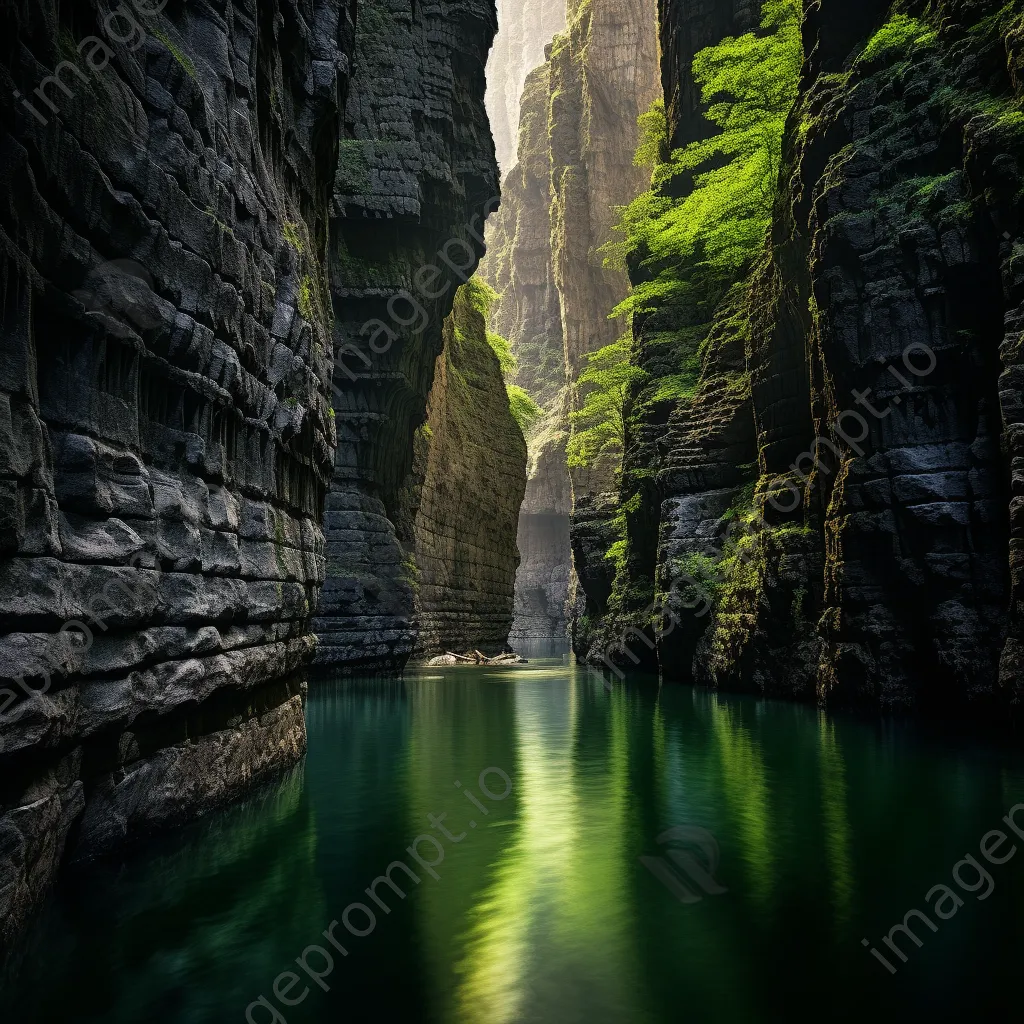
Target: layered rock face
{"type": "Point", "coordinates": [416, 180]}
{"type": "Point", "coordinates": [873, 356]}
{"type": "Point", "coordinates": [520, 265]}
{"type": "Point", "coordinates": [603, 76]}
{"type": "Point", "coordinates": [166, 431]}
{"type": "Point", "coordinates": [525, 27]}
{"type": "Point", "coordinates": [682, 470]}
{"type": "Point", "coordinates": [918, 300]}
{"type": "Point", "coordinates": [577, 135]}
{"type": "Point", "coordinates": [460, 506]}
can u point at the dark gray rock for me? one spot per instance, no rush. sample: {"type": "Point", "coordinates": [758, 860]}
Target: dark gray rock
{"type": "Point", "coordinates": [165, 431]}
{"type": "Point", "coordinates": [416, 181]}
{"type": "Point", "coordinates": [891, 274]}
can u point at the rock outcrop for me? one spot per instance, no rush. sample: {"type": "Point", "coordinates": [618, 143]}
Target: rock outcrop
{"type": "Point", "coordinates": [603, 77]}
{"type": "Point", "coordinates": [915, 307]}
{"type": "Point", "coordinates": [416, 181]}
{"type": "Point", "coordinates": [842, 482]}
{"type": "Point", "coordinates": [165, 431]}
{"type": "Point", "coordinates": [460, 506]}
{"type": "Point", "coordinates": [577, 134]}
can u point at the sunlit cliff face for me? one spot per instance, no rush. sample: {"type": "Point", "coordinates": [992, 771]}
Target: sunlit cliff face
{"type": "Point", "coordinates": [525, 27]}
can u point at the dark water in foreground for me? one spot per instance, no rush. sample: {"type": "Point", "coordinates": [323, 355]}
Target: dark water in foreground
{"type": "Point", "coordinates": [829, 830]}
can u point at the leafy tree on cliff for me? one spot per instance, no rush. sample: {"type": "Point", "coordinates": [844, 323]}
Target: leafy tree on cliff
{"type": "Point", "coordinates": [697, 244]}
{"type": "Point", "coordinates": [599, 430]}
{"type": "Point", "coordinates": [698, 229]}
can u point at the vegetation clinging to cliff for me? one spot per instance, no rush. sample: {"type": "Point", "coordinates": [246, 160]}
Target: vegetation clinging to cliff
{"type": "Point", "coordinates": [525, 410]}
{"type": "Point", "coordinates": [699, 227]}
{"type": "Point", "coordinates": [695, 245]}
{"type": "Point", "coordinates": [689, 243]}
{"type": "Point", "coordinates": [599, 429]}
{"type": "Point", "coordinates": [898, 33]}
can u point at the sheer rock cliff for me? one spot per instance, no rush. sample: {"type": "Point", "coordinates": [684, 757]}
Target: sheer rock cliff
{"type": "Point", "coordinates": [525, 27]}
{"type": "Point", "coordinates": [416, 180]}
{"type": "Point", "coordinates": [577, 134]}
{"type": "Point", "coordinates": [166, 437]}
{"type": "Point", "coordinates": [460, 505]}
{"type": "Point", "coordinates": [221, 319]}
{"type": "Point", "coordinates": [846, 472]}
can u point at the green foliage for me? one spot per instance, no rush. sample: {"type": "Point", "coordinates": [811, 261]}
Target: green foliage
{"type": "Point", "coordinates": [306, 300]}
{"type": "Point", "coordinates": [525, 411]}
{"type": "Point", "coordinates": [291, 236]}
{"type": "Point", "coordinates": [695, 246]}
{"type": "Point", "coordinates": [743, 508]}
{"type": "Point", "coordinates": [480, 296]}
{"type": "Point", "coordinates": [898, 33]}
{"type": "Point", "coordinates": [186, 63]}
{"type": "Point", "coordinates": [617, 553]}
{"type": "Point", "coordinates": [599, 429]}
{"type": "Point", "coordinates": [503, 350]}
{"type": "Point", "coordinates": [410, 573]}
{"type": "Point", "coordinates": [628, 591]}
{"type": "Point", "coordinates": [676, 387]}
{"type": "Point", "coordinates": [653, 146]}
{"type": "Point", "coordinates": [619, 549]}
{"type": "Point", "coordinates": [702, 570]}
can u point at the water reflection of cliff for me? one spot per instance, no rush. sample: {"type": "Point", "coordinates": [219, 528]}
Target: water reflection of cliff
{"type": "Point", "coordinates": [179, 933]}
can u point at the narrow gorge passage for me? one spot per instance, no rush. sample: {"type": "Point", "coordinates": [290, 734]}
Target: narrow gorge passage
{"type": "Point", "coordinates": [511, 510]}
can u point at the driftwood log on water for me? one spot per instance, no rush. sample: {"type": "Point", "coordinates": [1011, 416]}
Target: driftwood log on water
{"type": "Point", "coordinates": [476, 658]}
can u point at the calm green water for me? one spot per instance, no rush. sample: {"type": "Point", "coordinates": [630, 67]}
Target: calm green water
{"type": "Point", "coordinates": [829, 830]}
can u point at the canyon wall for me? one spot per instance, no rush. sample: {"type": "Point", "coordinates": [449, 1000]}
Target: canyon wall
{"type": "Point", "coordinates": [416, 181]}
{"type": "Point", "coordinates": [223, 317]}
{"type": "Point", "coordinates": [834, 514]}
{"type": "Point", "coordinates": [520, 266]}
{"type": "Point", "coordinates": [577, 134]}
{"type": "Point", "coordinates": [166, 432]}
{"type": "Point", "coordinates": [460, 506]}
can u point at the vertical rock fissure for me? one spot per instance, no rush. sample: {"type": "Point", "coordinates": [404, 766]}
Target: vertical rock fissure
{"type": "Point", "coordinates": [577, 134]}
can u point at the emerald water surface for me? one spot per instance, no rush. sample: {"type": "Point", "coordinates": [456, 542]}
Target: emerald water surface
{"type": "Point", "coordinates": [829, 830]}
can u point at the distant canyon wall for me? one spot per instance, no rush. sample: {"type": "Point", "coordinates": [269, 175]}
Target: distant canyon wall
{"type": "Point", "coordinates": [577, 135]}
{"type": "Point", "coordinates": [525, 27]}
